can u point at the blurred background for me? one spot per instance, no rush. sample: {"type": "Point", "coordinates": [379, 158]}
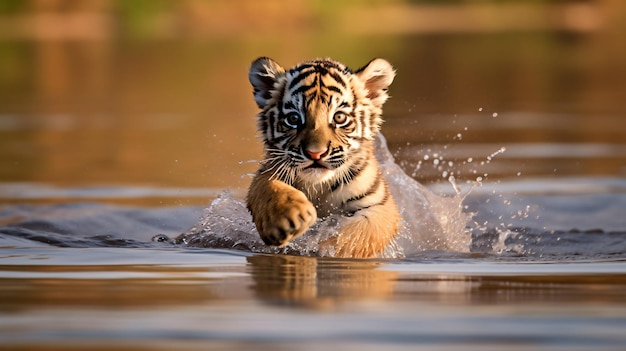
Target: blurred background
{"type": "Point", "coordinates": [155, 92]}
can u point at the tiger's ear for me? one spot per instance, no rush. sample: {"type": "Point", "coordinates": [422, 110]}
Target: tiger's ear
{"type": "Point", "coordinates": [263, 74]}
{"type": "Point", "coordinates": [377, 76]}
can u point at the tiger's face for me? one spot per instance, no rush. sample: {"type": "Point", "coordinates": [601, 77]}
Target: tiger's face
{"type": "Point", "coordinates": [319, 118]}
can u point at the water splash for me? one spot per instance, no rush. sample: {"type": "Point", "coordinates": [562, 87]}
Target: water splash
{"type": "Point", "coordinates": [430, 221]}
{"type": "Point", "coordinates": [501, 224]}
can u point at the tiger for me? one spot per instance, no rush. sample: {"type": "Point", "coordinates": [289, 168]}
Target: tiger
{"type": "Point", "coordinates": [318, 122]}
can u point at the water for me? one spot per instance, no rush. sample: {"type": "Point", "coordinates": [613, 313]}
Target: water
{"type": "Point", "coordinates": [505, 265]}
{"type": "Point", "coordinates": [430, 222]}
{"type": "Point", "coordinates": [135, 298]}
{"type": "Point", "coordinates": [506, 153]}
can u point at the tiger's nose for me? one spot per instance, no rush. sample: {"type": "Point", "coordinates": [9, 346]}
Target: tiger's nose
{"type": "Point", "coordinates": [316, 155]}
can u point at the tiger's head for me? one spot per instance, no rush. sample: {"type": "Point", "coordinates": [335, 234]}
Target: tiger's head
{"type": "Point", "coordinates": [319, 118]}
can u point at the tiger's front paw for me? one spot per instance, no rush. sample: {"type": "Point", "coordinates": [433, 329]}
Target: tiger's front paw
{"type": "Point", "coordinates": [288, 215]}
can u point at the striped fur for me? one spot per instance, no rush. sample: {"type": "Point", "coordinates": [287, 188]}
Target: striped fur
{"type": "Point", "coordinates": [318, 121]}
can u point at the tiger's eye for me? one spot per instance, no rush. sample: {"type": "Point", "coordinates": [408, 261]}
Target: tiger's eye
{"type": "Point", "coordinates": [340, 119]}
{"type": "Point", "coordinates": [292, 120]}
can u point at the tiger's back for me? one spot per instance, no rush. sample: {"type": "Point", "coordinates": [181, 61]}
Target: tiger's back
{"type": "Point", "coordinates": [318, 123]}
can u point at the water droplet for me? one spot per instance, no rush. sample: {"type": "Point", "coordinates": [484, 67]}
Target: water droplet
{"type": "Point", "coordinates": [494, 115]}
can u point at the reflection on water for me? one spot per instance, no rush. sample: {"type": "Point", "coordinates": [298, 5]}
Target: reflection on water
{"type": "Point", "coordinates": [309, 282]}
{"type": "Point", "coordinates": [306, 282]}
{"type": "Point", "coordinates": [212, 299]}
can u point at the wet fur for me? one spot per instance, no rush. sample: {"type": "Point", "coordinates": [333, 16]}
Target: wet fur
{"type": "Point", "coordinates": [322, 106]}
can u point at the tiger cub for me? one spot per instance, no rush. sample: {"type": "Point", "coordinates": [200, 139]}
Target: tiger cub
{"type": "Point", "coordinates": [318, 123]}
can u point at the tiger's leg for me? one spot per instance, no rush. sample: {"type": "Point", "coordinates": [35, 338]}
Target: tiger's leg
{"type": "Point", "coordinates": [280, 211]}
{"type": "Point", "coordinates": [368, 232]}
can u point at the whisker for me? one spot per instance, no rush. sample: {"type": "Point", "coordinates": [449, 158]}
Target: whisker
{"type": "Point", "coordinates": [278, 172]}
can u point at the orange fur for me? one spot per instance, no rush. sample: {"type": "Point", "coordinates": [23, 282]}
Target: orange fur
{"type": "Point", "coordinates": [367, 233]}
{"type": "Point", "coordinates": [318, 122]}
{"type": "Point", "coordinates": [280, 211]}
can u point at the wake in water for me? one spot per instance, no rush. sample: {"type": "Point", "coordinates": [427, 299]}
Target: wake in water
{"type": "Point", "coordinates": [549, 219]}
{"type": "Point", "coordinates": [430, 222]}
{"type": "Point", "coordinates": [483, 222]}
